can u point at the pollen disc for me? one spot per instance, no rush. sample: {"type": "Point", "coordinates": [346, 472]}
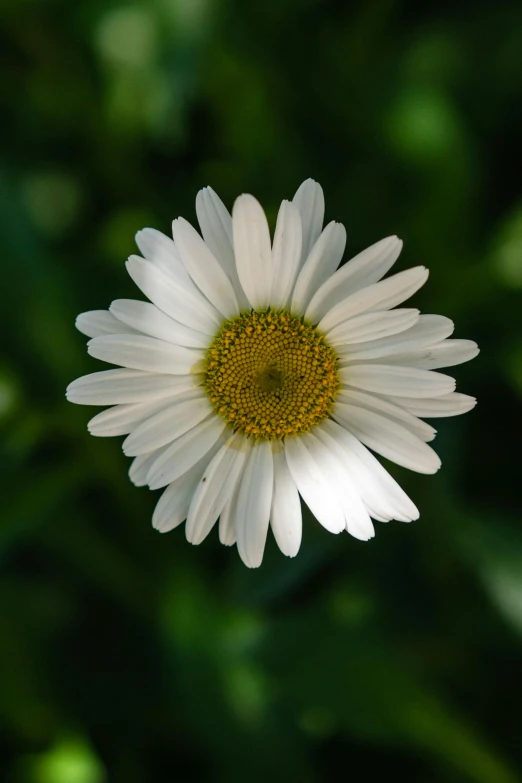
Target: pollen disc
{"type": "Point", "coordinates": [271, 374]}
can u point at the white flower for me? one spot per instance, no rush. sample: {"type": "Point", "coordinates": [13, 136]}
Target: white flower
{"type": "Point", "coordinates": [257, 373]}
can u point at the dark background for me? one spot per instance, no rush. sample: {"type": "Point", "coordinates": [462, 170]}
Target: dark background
{"type": "Point", "coordinates": [131, 657]}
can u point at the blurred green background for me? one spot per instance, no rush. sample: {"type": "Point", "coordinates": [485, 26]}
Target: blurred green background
{"type": "Point", "coordinates": [131, 657]}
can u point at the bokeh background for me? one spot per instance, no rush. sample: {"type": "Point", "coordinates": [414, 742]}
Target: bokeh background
{"type": "Point", "coordinates": [131, 657]}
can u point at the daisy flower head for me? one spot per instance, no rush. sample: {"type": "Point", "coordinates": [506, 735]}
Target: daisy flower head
{"type": "Point", "coordinates": [260, 372]}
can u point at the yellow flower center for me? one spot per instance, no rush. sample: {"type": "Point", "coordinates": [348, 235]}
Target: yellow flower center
{"type": "Point", "coordinates": [271, 374]}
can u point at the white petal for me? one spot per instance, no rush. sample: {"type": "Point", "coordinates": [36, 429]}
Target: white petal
{"type": "Point", "coordinates": [148, 319]}
{"type": "Point", "coordinates": [97, 322]}
{"type": "Point", "coordinates": [216, 226]}
{"type": "Point", "coordinates": [313, 486]}
{"type": "Point", "coordinates": [427, 331]}
{"type": "Point", "coordinates": [139, 352]}
{"type": "Point", "coordinates": [227, 531]}
{"type": "Point", "coordinates": [309, 200]}
{"type": "Point", "coordinates": [453, 404]}
{"type": "Point", "coordinates": [160, 250]}
{"type": "Point", "coordinates": [214, 488]}
{"type": "Point", "coordinates": [185, 412]}
{"type": "Point", "coordinates": [358, 522]}
{"type": "Point", "coordinates": [204, 269]}
{"type": "Point", "coordinates": [381, 494]}
{"type": "Point", "coordinates": [286, 253]}
{"type": "Point", "coordinates": [364, 269]}
{"type": "Point", "coordinates": [252, 250]}
{"type": "Point", "coordinates": [140, 467]}
{"type": "Point", "coordinates": [253, 504]}
{"type": "Point", "coordinates": [323, 259]}
{"type": "Point", "coordinates": [387, 438]}
{"type": "Point", "coordinates": [227, 518]}
{"type": "Point", "coordinates": [396, 381]}
{"type": "Point", "coordinates": [111, 387]}
{"type": "Point", "coordinates": [285, 516]}
{"type": "Point", "coordinates": [372, 326]}
{"type": "Point", "coordinates": [378, 296]}
{"type": "Point", "coordinates": [122, 419]}
{"type": "Point", "coordinates": [387, 408]}
{"type": "Point", "coordinates": [181, 301]}
{"type": "Point", "coordinates": [172, 508]}
{"type": "Point", "coordinates": [184, 452]}
{"type": "Point", "coordinates": [445, 354]}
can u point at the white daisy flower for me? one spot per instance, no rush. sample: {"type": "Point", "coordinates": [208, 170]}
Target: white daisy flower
{"type": "Point", "coordinates": [258, 374]}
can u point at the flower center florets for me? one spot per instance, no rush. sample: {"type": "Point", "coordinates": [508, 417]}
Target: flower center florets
{"type": "Point", "coordinates": [271, 374]}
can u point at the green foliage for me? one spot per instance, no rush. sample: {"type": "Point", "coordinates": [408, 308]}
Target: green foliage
{"type": "Point", "coordinates": [130, 657]}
